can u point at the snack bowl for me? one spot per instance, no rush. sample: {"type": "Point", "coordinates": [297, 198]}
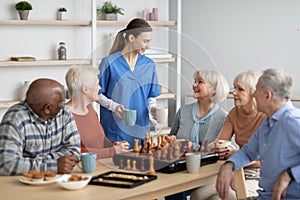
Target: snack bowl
{"type": "Point", "coordinates": [64, 182]}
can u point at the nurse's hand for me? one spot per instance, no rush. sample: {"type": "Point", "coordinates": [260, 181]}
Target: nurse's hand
{"type": "Point", "coordinates": [119, 112]}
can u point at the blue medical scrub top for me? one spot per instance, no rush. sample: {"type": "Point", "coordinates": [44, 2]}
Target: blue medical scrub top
{"type": "Point", "coordinates": [131, 89]}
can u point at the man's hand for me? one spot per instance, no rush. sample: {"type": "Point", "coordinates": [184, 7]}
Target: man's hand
{"type": "Point", "coordinates": [224, 180]}
{"type": "Point", "coordinates": [65, 164]}
{"type": "Point", "coordinates": [282, 183]}
{"type": "Point", "coordinates": [119, 112]}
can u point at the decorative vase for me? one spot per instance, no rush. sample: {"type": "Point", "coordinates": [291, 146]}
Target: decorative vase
{"type": "Point", "coordinates": [23, 14]}
{"type": "Point", "coordinates": [23, 90]}
{"type": "Point", "coordinates": [111, 17]}
{"type": "Point", "coordinates": [61, 15]}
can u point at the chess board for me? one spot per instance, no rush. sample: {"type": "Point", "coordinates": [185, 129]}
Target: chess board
{"type": "Point", "coordinates": [160, 165]}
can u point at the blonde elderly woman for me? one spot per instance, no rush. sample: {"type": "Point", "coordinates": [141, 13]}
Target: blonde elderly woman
{"type": "Point", "coordinates": [83, 85]}
{"type": "Point", "coordinates": [242, 121]}
{"type": "Point", "coordinates": [201, 122]}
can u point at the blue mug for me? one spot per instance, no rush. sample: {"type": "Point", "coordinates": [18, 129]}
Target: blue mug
{"type": "Point", "coordinates": [88, 162]}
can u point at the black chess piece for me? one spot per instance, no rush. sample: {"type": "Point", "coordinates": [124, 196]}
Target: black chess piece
{"type": "Point", "coordinates": [121, 164]}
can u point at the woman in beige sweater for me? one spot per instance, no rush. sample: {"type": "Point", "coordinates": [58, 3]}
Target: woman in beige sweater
{"type": "Point", "coordinates": [241, 122]}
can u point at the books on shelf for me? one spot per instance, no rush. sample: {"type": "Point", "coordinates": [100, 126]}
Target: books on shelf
{"type": "Point", "coordinates": [154, 53]}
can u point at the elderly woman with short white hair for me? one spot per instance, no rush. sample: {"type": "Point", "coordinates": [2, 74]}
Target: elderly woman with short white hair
{"type": "Point", "coordinates": [83, 85]}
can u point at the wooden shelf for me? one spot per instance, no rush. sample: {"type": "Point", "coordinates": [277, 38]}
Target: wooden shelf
{"type": "Point", "coordinates": [166, 95]}
{"type": "Point", "coordinates": [45, 63]}
{"type": "Point", "coordinates": [46, 22]}
{"type": "Point", "coordinates": [164, 60]}
{"type": "Point", "coordinates": [8, 103]}
{"type": "Point", "coordinates": [77, 23]}
{"type": "Point", "coordinates": [123, 23]}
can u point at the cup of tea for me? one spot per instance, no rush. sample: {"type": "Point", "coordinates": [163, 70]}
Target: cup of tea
{"type": "Point", "coordinates": [130, 117]}
{"type": "Point", "coordinates": [88, 162]}
{"type": "Point", "coordinates": [193, 161]}
{"type": "Point", "coordinates": [161, 114]}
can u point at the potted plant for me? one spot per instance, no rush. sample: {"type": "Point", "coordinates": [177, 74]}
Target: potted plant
{"type": "Point", "coordinates": [23, 7]}
{"type": "Point", "coordinates": [61, 13]}
{"type": "Point", "coordinates": [110, 11]}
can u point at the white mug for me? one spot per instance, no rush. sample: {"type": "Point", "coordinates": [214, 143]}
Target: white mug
{"type": "Point", "coordinates": [130, 117]}
{"type": "Point", "coordinates": [193, 161]}
{"type": "Point", "coordinates": [161, 114]}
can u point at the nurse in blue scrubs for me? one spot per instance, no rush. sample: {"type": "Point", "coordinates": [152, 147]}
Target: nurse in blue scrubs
{"type": "Point", "coordinates": [129, 81]}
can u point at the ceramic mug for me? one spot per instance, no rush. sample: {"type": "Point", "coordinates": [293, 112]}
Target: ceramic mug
{"type": "Point", "coordinates": [130, 117]}
{"type": "Point", "coordinates": [88, 162]}
{"type": "Point", "coordinates": [193, 161]}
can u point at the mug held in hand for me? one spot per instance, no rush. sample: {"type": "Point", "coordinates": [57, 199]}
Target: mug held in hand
{"type": "Point", "coordinates": [130, 117]}
{"type": "Point", "coordinates": [88, 162]}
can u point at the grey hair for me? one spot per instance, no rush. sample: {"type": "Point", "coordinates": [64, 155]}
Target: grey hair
{"type": "Point", "coordinates": [278, 82]}
{"type": "Point", "coordinates": [217, 84]}
{"type": "Point", "coordinates": [79, 76]}
{"type": "Point", "coordinates": [248, 79]}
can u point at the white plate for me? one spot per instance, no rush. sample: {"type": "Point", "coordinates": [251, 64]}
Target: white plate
{"type": "Point", "coordinates": [74, 185]}
{"type": "Point", "coordinates": [36, 183]}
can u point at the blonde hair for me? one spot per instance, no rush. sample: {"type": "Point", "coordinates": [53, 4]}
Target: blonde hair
{"type": "Point", "coordinates": [217, 84]}
{"type": "Point", "coordinates": [248, 79]}
{"type": "Point", "coordinates": [79, 76]}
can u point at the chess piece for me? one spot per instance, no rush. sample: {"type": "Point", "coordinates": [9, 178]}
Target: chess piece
{"type": "Point", "coordinates": [176, 150]}
{"type": "Point", "coordinates": [152, 142]}
{"type": "Point", "coordinates": [163, 141]}
{"type": "Point", "coordinates": [151, 166]}
{"type": "Point", "coordinates": [170, 153]}
{"type": "Point", "coordinates": [158, 154]}
{"type": "Point", "coordinates": [147, 141]}
{"type": "Point", "coordinates": [128, 167]}
{"type": "Point", "coordinates": [206, 148]}
{"type": "Point", "coordinates": [142, 150]}
{"type": "Point", "coordinates": [136, 146]}
{"type": "Point", "coordinates": [134, 166]}
{"type": "Point", "coordinates": [158, 142]}
{"type": "Point", "coordinates": [200, 149]}
{"type": "Point", "coordinates": [163, 154]}
{"type": "Point", "coordinates": [142, 165]}
{"type": "Point", "coordinates": [121, 164]}
{"type": "Point", "coordinates": [149, 151]}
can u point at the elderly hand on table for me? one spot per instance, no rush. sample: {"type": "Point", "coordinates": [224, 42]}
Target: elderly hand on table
{"type": "Point", "coordinates": [65, 164]}
{"type": "Point", "coordinates": [224, 180]}
{"type": "Point", "coordinates": [122, 146]}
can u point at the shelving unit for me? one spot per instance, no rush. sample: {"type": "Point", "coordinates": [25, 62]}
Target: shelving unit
{"type": "Point", "coordinates": [45, 22]}
{"type": "Point", "coordinates": [45, 63]}
{"type": "Point", "coordinates": [65, 62]}
{"type": "Point", "coordinates": [93, 26]}
{"type": "Point", "coordinates": [76, 23]}
{"type": "Point", "coordinates": [8, 103]}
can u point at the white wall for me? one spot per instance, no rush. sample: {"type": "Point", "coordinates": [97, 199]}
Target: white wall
{"type": "Point", "coordinates": [235, 35]}
{"type": "Point", "coordinates": [41, 42]}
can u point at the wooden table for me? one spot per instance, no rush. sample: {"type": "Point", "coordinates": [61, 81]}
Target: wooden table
{"type": "Point", "coordinates": [166, 184]}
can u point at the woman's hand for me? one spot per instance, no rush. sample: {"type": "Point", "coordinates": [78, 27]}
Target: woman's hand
{"type": "Point", "coordinates": [119, 112]}
{"type": "Point", "coordinates": [121, 147]}
{"type": "Point", "coordinates": [224, 148]}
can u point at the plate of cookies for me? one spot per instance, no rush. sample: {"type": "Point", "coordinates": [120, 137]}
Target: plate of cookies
{"type": "Point", "coordinates": [73, 182]}
{"type": "Point", "coordinates": [34, 177]}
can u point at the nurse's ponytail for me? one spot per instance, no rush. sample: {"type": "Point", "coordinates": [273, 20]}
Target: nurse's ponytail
{"type": "Point", "coordinates": [135, 27]}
